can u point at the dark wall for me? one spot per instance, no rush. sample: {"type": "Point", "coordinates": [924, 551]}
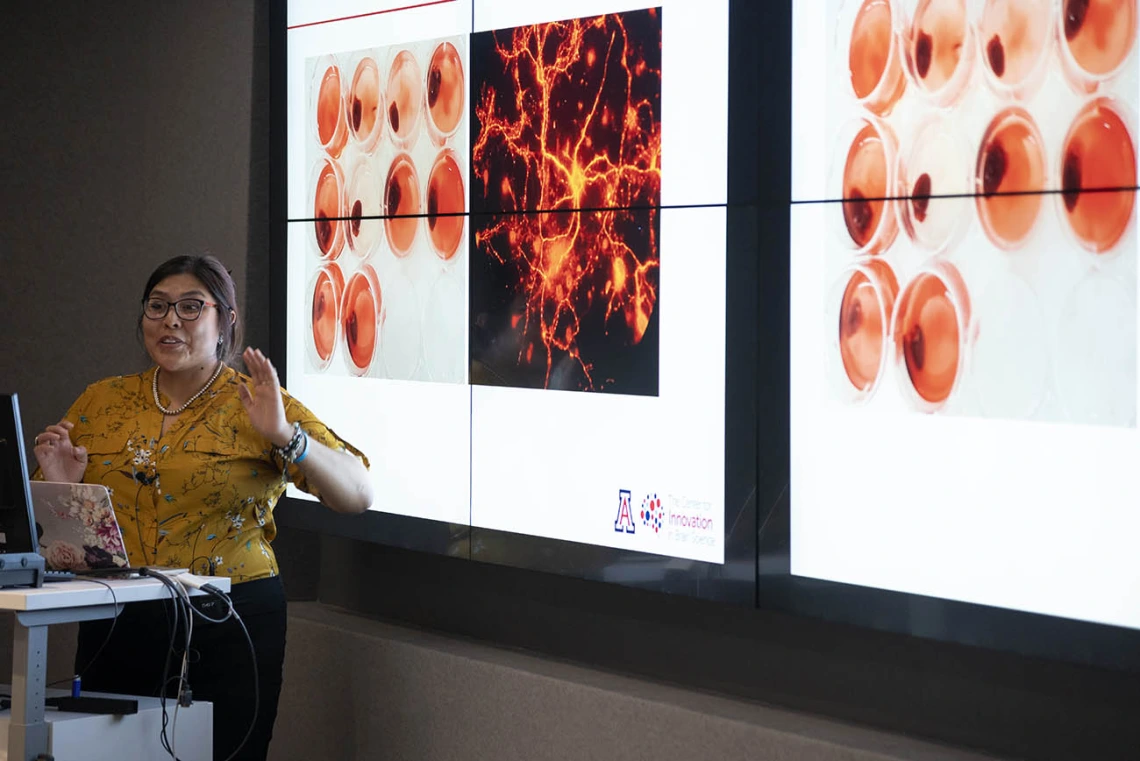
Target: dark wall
{"type": "Point", "coordinates": [124, 140]}
{"type": "Point", "coordinates": [135, 130]}
{"type": "Point", "coordinates": [132, 131]}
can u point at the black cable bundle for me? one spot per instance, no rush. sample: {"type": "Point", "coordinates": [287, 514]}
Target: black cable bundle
{"type": "Point", "coordinates": [184, 613]}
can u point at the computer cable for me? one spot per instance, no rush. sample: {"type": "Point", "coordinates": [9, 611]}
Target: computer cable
{"type": "Point", "coordinates": [256, 679]}
{"type": "Point", "coordinates": [182, 615]}
{"type": "Point", "coordinates": [77, 679]}
{"type": "Point", "coordinates": [180, 612]}
{"type": "Point", "coordinates": [177, 585]}
{"type": "Point", "coordinates": [184, 693]}
{"type": "Point", "coordinates": [196, 582]}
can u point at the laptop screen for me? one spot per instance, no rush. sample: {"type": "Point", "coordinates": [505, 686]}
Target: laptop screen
{"type": "Point", "coordinates": [17, 526]}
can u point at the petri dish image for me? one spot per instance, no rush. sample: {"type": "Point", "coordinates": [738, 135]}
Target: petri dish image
{"type": "Point", "coordinates": [327, 182]}
{"type": "Point", "coordinates": [1094, 354]}
{"type": "Point", "coordinates": [325, 291]}
{"type": "Point", "coordinates": [931, 330]}
{"type": "Point", "coordinates": [401, 334]}
{"type": "Point", "coordinates": [364, 207]}
{"type": "Point", "coordinates": [1095, 38]}
{"type": "Point", "coordinates": [1010, 358]}
{"type": "Point", "coordinates": [445, 329]}
{"type": "Point", "coordinates": [445, 196]}
{"type": "Point", "coordinates": [1098, 153]}
{"type": "Point", "coordinates": [361, 318]}
{"type": "Point", "coordinates": [326, 106]}
{"type": "Point", "coordinates": [445, 92]}
{"type": "Point", "coordinates": [938, 47]}
{"type": "Point", "coordinates": [365, 104]}
{"type": "Point", "coordinates": [1014, 39]}
{"type": "Point", "coordinates": [405, 100]}
{"type": "Point", "coordinates": [860, 307]}
{"type": "Point", "coordinates": [401, 204]}
{"type": "Point", "coordinates": [934, 185]}
{"type": "Point", "coordinates": [863, 176]}
{"type": "Point", "coordinates": [867, 46]}
{"type": "Point", "coordinates": [1009, 175]}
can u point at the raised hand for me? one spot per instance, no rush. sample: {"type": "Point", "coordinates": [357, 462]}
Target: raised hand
{"type": "Point", "coordinates": [58, 458]}
{"type": "Point", "coordinates": [262, 400]}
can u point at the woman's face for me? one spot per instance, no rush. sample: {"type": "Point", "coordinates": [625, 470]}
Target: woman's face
{"type": "Point", "coordinates": [175, 343]}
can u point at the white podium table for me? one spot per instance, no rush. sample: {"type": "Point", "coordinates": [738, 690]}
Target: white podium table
{"type": "Point", "coordinates": [102, 737]}
{"type": "Point", "coordinates": [59, 603]}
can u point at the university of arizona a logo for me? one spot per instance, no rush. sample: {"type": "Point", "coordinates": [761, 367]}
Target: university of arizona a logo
{"type": "Point", "coordinates": [624, 521]}
{"type": "Point", "coordinates": [652, 514]}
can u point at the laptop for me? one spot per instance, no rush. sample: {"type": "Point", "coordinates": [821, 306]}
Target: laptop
{"type": "Point", "coordinates": [20, 564]}
{"type": "Point", "coordinates": [77, 529]}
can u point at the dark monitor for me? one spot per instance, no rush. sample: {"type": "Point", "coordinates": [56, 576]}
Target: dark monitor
{"type": "Point", "coordinates": [20, 563]}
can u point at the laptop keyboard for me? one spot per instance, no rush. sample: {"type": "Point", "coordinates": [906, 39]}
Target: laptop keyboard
{"type": "Point", "coordinates": [58, 575]}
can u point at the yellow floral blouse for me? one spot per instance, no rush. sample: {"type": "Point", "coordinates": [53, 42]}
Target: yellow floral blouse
{"type": "Point", "coordinates": [200, 496]}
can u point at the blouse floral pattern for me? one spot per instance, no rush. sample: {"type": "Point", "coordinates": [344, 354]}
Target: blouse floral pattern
{"type": "Point", "coordinates": [200, 496]}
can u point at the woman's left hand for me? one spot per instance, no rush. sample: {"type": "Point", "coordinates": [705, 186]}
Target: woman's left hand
{"type": "Point", "coordinates": [263, 403]}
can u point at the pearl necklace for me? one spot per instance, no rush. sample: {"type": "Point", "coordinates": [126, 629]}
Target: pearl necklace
{"type": "Point", "coordinates": [188, 402]}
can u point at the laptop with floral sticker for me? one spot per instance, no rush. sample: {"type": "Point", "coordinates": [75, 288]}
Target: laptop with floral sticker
{"type": "Point", "coordinates": [77, 528]}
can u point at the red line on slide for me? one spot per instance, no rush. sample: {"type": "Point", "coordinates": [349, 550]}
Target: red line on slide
{"type": "Point", "coordinates": [372, 13]}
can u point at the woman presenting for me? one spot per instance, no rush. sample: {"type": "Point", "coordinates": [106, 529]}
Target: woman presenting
{"type": "Point", "coordinates": [196, 455]}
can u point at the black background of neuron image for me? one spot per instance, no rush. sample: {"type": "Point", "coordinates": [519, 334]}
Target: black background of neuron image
{"type": "Point", "coordinates": [497, 348]}
{"type": "Point", "coordinates": [643, 36]}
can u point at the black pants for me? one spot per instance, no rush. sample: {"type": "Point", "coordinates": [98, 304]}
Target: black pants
{"type": "Point", "coordinates": [220, 669]}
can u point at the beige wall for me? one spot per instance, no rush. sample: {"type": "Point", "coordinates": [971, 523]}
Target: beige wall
{"type": "Point", "coordinates": [360, 689]}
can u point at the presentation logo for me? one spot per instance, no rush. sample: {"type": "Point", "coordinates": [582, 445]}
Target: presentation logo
{"type": "Point", "coordinates": [652, 513]}
{"type": "Point", "coordinates": [624, 521]}
{"type": "Point", "coordinates": [670, 518]}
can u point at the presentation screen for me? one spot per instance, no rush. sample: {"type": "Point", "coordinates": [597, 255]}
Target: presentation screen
{"type": "Point", "coordinates": [963, 302]}
{"type": "Point", "coordinates": [506, 260]}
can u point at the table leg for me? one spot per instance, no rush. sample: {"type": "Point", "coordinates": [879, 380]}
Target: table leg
{"type": "Point", "coordinates": [27, 730]}
{"type": "Point", "coordinates": [28, 733]}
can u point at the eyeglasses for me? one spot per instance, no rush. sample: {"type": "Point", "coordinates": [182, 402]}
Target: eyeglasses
{"type": "Point", "coordinates": [186, 309]}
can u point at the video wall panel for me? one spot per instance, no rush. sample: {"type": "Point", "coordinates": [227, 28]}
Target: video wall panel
{"type": "Point", "coordinates": [506, 260]}
{"type": "Point", "coordinates": [963, 315]}
{"type": "Point", "coordinates": [533, 255]}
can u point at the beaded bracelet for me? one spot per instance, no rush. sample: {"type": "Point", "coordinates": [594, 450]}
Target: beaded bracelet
{"type": "Point", "coordinates": [296, 449]}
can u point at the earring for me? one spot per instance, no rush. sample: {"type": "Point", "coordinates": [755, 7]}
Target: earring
{"type": "Point", "coordinates": [219, 340]}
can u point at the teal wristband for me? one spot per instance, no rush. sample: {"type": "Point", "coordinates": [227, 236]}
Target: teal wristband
{"type": "Point", "coordinates": [304, 452]}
